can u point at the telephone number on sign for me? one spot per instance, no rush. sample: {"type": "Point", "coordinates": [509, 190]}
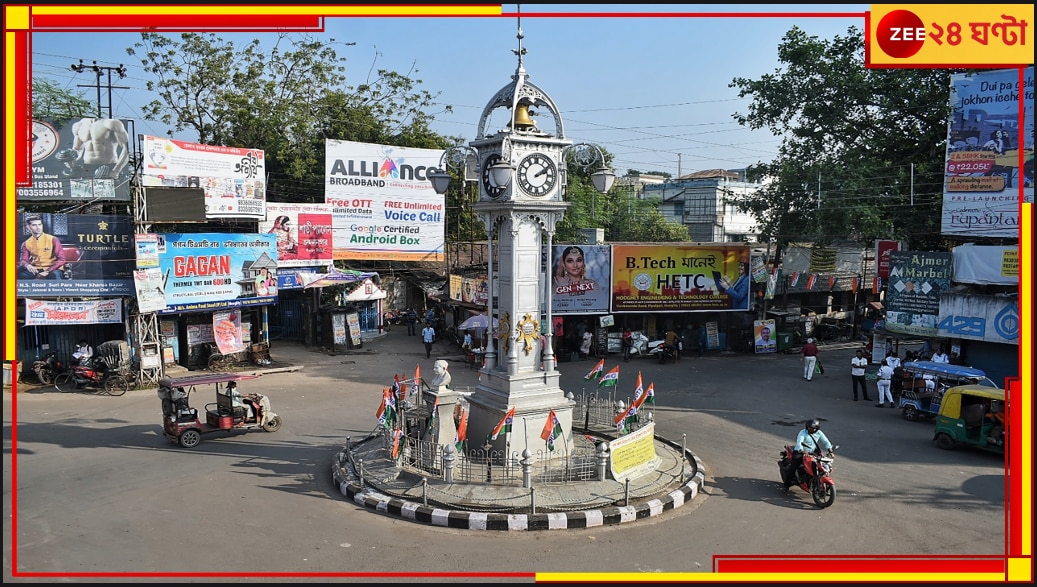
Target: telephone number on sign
{"type": "Point", "coordinates": [970, 167]}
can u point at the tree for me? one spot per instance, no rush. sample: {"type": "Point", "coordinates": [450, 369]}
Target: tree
{"type": "Point", "coordinates": [52, 102]}
{"type": "Point", "coordinates": [286, 100]}
{"type": "Point", "coordinates": [863, 149]}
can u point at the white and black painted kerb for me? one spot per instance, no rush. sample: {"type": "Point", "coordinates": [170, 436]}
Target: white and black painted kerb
{"type": "Point", "coordinates": [349, 485]}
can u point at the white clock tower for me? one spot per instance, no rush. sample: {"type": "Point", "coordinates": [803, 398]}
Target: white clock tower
{"type": "Point", "coordinates": [522, 176]}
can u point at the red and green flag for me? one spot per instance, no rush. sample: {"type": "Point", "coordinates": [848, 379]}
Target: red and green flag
{"type": "Point", "coordinates": [397, 437]}
{"type": "Point", "coordinates": [462, 430]}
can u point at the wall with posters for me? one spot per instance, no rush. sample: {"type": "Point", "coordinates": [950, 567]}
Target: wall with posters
{"type": "Point", "coordinates": [383, 205]}
{"type": "Point", "coordinates": [303, 231]}
{"type": "Point", "coordinates": [581, 277]}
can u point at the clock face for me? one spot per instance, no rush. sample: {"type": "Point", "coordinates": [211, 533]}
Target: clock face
{"type": "Point", "coordinates": [492, 189]}
{"type": "Point", "coordinates": [44, 140]}
{"type": "Point", "coordinates": [537, 175]}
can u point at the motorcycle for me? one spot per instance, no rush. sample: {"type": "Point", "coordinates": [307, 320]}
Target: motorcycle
{"type": "Point", "coordinates": [91, 374]}
{"type": "Point", "coordinates": [814, 474]}
{"type": "Point", "coordinates": [665, 352]}
{"type": "Point", "coordinates": [640, 346]}
{"type": "Point", "coordinates": [48, 368]}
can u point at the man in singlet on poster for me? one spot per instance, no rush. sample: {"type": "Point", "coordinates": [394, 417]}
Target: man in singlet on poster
{"type": "Point", "coordinates": [103, 145]}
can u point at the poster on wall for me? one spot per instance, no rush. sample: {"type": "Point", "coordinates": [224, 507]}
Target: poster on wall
{"type": "Point", "coordinates": [303, 233]}
{"type": "Point", "coordinates": [150, 287]}
{"type": "Point", "coordinates": [233, 179]}
{"type": "Point", "coordinates": [74, 255]}
{"type": "Point", "coordinates": [383, 205]}
{"type": "Point", "coordinates": [48, 312]}
{"type": "Point", "coordinates": [83, 159]}
{"type": "Point", "coordinates": [226, 327]}
{"type": "Point", "coordinates": [763, 336]}
{"type": "Point", "coordinates": [580, 279]}
{"type": "Point", "coordinates": [353, 319]}
{"type": "Point", "coordinates": [680, 278]}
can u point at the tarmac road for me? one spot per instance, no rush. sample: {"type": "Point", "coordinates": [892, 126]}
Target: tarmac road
{"type": "Point", "coordinates": [101, 491]}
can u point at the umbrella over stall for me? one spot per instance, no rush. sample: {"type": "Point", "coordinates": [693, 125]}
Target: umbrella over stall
{"type": "Point", "coordinates": [477, 321]}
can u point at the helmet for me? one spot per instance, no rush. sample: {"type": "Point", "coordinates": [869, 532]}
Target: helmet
{"type": "Point", "coordinates": [812, 425]}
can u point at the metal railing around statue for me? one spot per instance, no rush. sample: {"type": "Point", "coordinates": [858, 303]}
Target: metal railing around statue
{"type": "Point", "coordinates": [414, 468]}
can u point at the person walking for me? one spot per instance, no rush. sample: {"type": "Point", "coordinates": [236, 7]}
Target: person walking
{"type": "Point", "coordinates": [857, 366]}
{"type": "Point", "coordinates": [428, 336]}
{"type": "Point", "coordinates": [628, 342]}
{"type": "Point", "coordinates": [884, 383]}
{"type": "Point", "coordinates": [809, 359]}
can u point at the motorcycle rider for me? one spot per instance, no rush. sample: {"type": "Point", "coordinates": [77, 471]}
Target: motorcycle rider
{"type": "Point", "coordinates": [809, 439]}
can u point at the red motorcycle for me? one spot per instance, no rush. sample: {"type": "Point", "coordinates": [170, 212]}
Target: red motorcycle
{"type": "Point", "coordinates": [814, 474]}
{"type": "Point", "coordinates": [91, 374]}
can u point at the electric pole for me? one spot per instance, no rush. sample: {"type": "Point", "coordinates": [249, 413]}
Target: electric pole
{"type": "Point", "coordinates": [99, 70]}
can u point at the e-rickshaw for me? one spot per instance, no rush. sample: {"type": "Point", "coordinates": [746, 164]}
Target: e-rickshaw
{"type": "Point", "coordinates": [923, 384]}
{"type": "Point", "coordinates": [181, 423]}
{"type": "Point", "coordinates": [969, 416]}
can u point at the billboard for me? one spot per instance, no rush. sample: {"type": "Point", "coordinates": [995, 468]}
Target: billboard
{"type": "Point", "coordinates": [303, 233]}
{"type": "Point", "coordinates": [581, 279]}
{"type": "Point", "coordinates": [63, 255]}
{"type": "Point", "coordinates": [989, 163]}
{"type": "Point", "coordinates": [916, 281]}
{"type": "Point", "coordinates": [383, 204]}
{"type": "Point", "coordinates": [217, 271]}
{"type": "Point", "coordinates": [233, 179]}
{"type": "Point", "coordinates": [675, 277]}
{"type": "Point", "coordinates": [80, 159]}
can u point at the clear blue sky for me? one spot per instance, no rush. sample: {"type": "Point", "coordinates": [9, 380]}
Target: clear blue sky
{"type": "Point", "coordinates": [653, 90]}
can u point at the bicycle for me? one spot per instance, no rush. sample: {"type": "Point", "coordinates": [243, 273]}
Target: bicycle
{"type": "Point", "coordinates": [217, 361]}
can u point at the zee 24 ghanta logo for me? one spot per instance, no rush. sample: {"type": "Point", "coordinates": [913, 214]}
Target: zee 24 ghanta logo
{"type": "Point", "coordinates": [901, 34]}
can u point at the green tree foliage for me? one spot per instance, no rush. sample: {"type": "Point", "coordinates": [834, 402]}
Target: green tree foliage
{"type": "Point", "coordinates": [863, 150]}
{"type": "Point", "coordinates": [52, 102]}
{"type": "Point", "coordinates": [285, 100]}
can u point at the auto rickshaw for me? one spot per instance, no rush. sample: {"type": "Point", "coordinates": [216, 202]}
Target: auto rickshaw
{"type": "Point", "coordinates": [923, 384]}
{"type": "Point", "coordinates": [968, 417]}
{"type": "Point", "coordinates": [181, 423]}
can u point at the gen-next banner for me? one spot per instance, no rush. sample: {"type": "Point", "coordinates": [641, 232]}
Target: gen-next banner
{"type": "Point", "coordinates": [680, 278]}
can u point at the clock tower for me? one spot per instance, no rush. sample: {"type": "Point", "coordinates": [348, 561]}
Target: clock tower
{"type": "Point", "coordinates": [521, 187]}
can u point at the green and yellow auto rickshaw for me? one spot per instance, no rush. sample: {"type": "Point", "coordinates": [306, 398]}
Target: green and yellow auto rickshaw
{"type": "Point", "coordinates": [973, 415]}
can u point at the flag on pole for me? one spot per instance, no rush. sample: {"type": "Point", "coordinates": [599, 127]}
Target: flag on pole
{"type": "Point", "coordinates": [611, 378]}
{"type": "Point", "coordinates": [432, 416]}
{"type": "Point", "coordinates": [397, 436]}
{"type": "Point", "coordinates": [462, 430]}
{"type": "Point", "coordinates": [417, 376]}
{"type": "Point", "coordinates": [386, 413]}
{"type": "Point", "coordinates": [832, 281]}
{"type": "Point", "coordinates": [504, 425]}
{"type": "Point", "coordinates": [794, 279]}
{"type": "Point", "coordinates": [856, 284]}
{"type": "Point", "coordinates": [811, 281]}
{"type": "Point", "coordinates": [596, 371]}
{"type": "Point", "coordinates": [625, 418]}
{"type": "Point", "coordinates": [639, 390]}
{"type": "Point", "coordinates": [552, 430]}
{"type": "Point", "coordinates": [650, 394]}
{"type": "Point", "coordinates": [399, 390]}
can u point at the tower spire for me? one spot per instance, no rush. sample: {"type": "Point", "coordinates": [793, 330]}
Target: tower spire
{"type": "Point", "coordinates": [521, 50]}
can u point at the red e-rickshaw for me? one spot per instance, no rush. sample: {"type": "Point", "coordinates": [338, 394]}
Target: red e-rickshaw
{"type": "Point", "coordinates": [184, 425]}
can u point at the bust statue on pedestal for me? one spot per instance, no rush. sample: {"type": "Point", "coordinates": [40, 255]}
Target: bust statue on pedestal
{"type": "Point", "coordinates": [442, 378]}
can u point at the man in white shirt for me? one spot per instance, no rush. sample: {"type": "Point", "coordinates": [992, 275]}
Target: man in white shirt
{"type": "Point", "coordinates": [428, 336]}
{"type": "Point", "coordinates": [84, 352]}
{"type": "Point", "coordinates": [884, 383]}
{"type": "Point", "coordinates": [858, 364]}
{"type": "Point", "coordinates": [940, 356]}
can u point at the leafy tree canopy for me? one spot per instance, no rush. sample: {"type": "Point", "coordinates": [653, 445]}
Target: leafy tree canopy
{"type": "Point", "coordinates": [863, 149]}
{"type": "Point", "coordinates": [52, 102]}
